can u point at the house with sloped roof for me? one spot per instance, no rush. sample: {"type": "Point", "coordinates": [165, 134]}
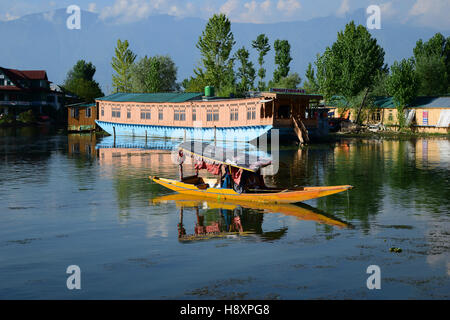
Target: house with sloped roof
{"type": "Point", "coordinates": [21, 90]}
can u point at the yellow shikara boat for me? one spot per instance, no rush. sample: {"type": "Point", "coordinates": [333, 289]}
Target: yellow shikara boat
{"type": "Point", "coordinates": [194, 186]}
{"type": "Point", "coordinates": [213, 188]}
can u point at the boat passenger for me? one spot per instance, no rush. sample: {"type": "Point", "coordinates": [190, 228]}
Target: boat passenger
{"type": "Point", "coordinates": [226, 178]}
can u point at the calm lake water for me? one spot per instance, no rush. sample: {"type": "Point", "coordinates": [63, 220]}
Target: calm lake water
{"type": "Point", "coordinates": [77, 200]}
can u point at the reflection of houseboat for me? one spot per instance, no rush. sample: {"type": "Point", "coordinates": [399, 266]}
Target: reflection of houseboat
{"type": "Point", "coordinates": [218, 219]}
{"type": "Point", "coordinates": [82, 144]}
{"type": "Point", "coordinates": [178, 115]}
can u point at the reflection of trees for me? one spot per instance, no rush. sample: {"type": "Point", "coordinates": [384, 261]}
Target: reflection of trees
{"type": "Point", "coordinates": [371, 166]}
{"type": "Point", "coordinates": [131, 188]}
{"type": "Point", "coordinates": [426, 186]}
{"type": "Point", "coordinates": [22, 149]}
{"type": "Point", "coordinates": [361, 165]}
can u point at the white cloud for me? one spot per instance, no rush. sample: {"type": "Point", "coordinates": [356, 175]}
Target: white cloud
{"type": "Point", "coordinates": [124, 11]}
{"type": "Point", "coordinates": [49, 15]}
{"type": "Point", "coordinates": [432, 13]}
{"type": "Point", "coordinates": [387, 9]}
{"type": "Point", "coordinates": [260, 11]}
{"type": "Point", "coordinates": [254, 11]}
{"type": "Point", "coordinates": [229, 7]}
{"type": "Point", "coordinates": [8, 17]}
{"type": "Point", "coordinates": [92, 7]}
{"type": "Point", "coordinates": [289, 6]}
{"type": "Point", "coordinates": [344, 8]}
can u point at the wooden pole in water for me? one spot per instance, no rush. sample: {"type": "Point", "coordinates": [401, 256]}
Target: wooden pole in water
{"type": "Point", "coordinates": [114, 134]}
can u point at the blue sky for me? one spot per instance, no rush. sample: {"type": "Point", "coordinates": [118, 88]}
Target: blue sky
{"type": "Point", "coordinates": [430, 13]}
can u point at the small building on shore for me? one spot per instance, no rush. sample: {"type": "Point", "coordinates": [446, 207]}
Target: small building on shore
{"type": "Point", "coordinates": [81, 117]}
{"type": "Point", "coordinates": [424, 114]}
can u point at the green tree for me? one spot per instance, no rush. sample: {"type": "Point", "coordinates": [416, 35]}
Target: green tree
{"type": "Point", "coordinates": [215, 45]}
{"type": "Point", "coordinates": [122, 63]}
{"type": "Point", "coordinates": [310, 85]}
{"type": "Point", "coordinates": [154, 74]}
{"type": "Point", "coordinates": [229, 87]}
{"type": "Point", "coordinates": [351, 64]}
{"type": "Point", "coordinates": [282, 59]}
{"type": "Point", "coordinates": [433, 77]}
{"type": "Point", "coordinates": [291, 81]}
{"type": "Point", "coordinates": [246, 71]}
{"type": "Point", "coordinates": [379, 87]}
{"type": "Point", "coordinates": [433, 65]}
{"type": "Point", "coordinates": [194, 84]}
{"type": "Point", "coordinates": [402, 84]}
{"type": "Point", "coordinates": [80, 81]}
{"type": "Point", "coordinates": [81, 70]}
{"type": "Point", "coordinates": [85, 89]}
{"type": "Point", "coordinates": [261, 44]}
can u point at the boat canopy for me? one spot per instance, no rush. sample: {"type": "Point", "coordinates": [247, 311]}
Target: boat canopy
{"type": "Point", "coordinates": [242, 158]}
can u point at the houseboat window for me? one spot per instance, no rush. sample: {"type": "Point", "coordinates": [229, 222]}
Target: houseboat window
{"type": "Point", "coordinates": [160, 114]}
{"type": "Point", "coordinates": [251, 113]}
{"type": "Point", "coordinates": [182, 115]}
{"type": "Point", "coordinates": [234, 114]}
{"type": "Point", "coordinates": [216, 115]}
{"type": "Point", "coordinates": [146, 114]}
{"type": "Point", "coordinates": [176, 115]}
{"type": "Point", "coordinates": [88, 112]}
{"type": "Point", "coordinates": [128, 114]}
{"type": "Point", "coordinates": [209, 115]}
{"type": "Point", "coordinates": [390, 117]}
{"type": "Point", "coordinates": [194, 115]}
{"type": "Point", "coordinates": [115, 113]}
{"type": "Point", "coordinates": [103, 112]}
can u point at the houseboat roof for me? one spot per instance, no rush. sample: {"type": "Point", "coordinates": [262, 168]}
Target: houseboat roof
{"type": "Point", "coordinates": [161, 97]}
{"type": "Point", "coordinates": [152, 97]}
{"type": "Point", "coordinates": [81, 105]}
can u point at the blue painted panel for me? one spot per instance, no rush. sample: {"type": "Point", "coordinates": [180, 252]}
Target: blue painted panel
{"type": "Point", "coordinates": [228, 134]}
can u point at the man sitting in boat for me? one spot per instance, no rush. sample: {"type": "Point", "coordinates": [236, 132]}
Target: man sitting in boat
{"type": "Point", "coordinates": [247, 181]}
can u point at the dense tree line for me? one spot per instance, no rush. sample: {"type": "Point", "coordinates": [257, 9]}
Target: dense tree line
{"type": "Point", "coordinates": [353, 67]}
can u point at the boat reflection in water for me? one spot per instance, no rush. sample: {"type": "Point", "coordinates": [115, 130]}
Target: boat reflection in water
{"type": "Point", "coordinates": [236, 219]}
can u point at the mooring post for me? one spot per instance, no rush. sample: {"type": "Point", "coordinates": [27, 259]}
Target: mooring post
{"type": "Point", "coordinates": [114, 134]}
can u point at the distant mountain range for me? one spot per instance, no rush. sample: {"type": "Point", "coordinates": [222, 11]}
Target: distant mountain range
{"type": "Point", "coordinates": [42, 41]}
